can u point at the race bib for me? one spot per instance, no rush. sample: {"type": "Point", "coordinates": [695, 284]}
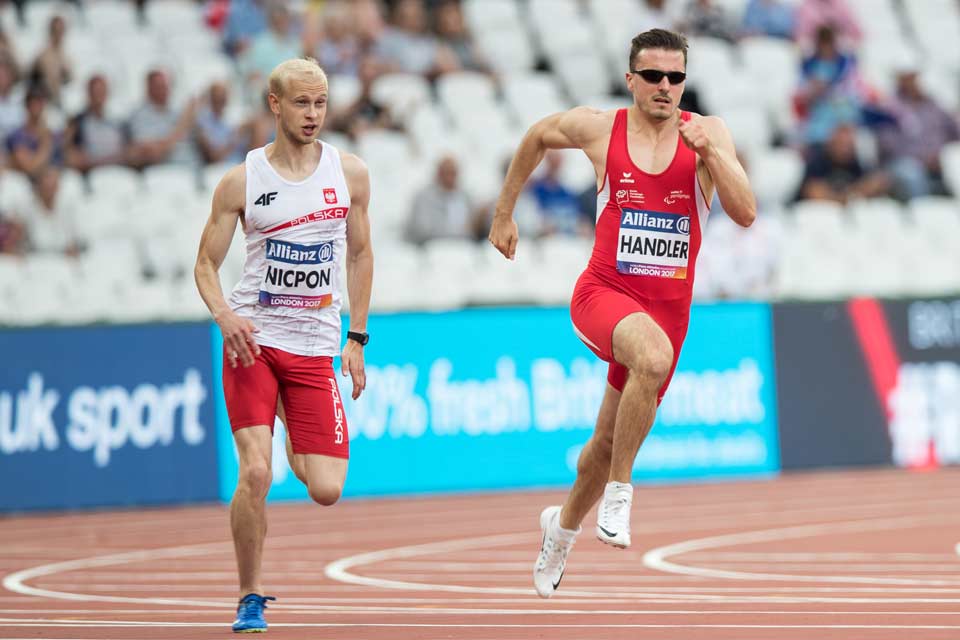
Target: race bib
{"type": "Point", "coordinates": [652, 243]}
{"type": "Point", "coordinates": [298, 275]}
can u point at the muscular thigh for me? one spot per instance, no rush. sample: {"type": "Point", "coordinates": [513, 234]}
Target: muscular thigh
{"type": "Point", "coordinates": [639, 335]}
{"type": "Point", "coordinates": [312, 407]}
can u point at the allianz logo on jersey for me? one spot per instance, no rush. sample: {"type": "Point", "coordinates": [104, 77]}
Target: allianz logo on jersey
{"type": "Point", "coordinates": [655, 221]}
{"type": "Point", "coordinates": [102, 420]}
{"type": "Point", "coordinates": [299, 253]}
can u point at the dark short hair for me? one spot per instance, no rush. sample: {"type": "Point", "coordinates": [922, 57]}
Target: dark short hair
{"type": "Point", "coordinates": [36, 91]}
{"type": "Point", "coordinates": [658, 39]}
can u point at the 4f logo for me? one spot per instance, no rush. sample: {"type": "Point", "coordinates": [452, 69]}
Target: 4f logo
{"type": "Point", "coordinates": [266, 198]}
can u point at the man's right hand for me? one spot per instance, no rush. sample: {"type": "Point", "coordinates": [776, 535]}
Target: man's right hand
{"type": "Point", "coordinates": [238, 339]}
{"type": "Point", "coordinates": [504, 235]}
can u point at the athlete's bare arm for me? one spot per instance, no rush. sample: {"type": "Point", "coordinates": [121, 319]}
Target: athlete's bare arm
{"type": "Point", "coordinates": [579, 128]}
{"type": "Point", "coordinates": [229, 200]}
{"type": "Point", "coordinates": [719, 167]}
{"type": "Point", "coordinates": [359, 266]}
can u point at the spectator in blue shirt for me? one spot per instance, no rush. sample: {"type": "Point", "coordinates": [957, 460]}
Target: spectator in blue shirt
{"type": "Point", "coordinates": [245, 21]}
{"type": "Point", "coordinates": [559, 206]}
{"type": "Point", "coordinates": [768, 18]}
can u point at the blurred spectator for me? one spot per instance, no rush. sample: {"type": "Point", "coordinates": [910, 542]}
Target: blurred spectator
{"type": "Point", "coordinates": [331, 38]}
{"type": "Point", "coordinates": [453, 33]}
{"type": "Point", "coordinates": [912, 145]}
{"type": "Point", "coordinates": [13, 236]}
{"type": "Point", "coordinates": [12, 113]}
{"type": "Point", "coordinates": [768, 18]}
{"type": "Point", "coordinates": [654, 14]}
{"type": "Point", "coordinates": [704, 18]}
{"type": "Point", "coordinates": [216, 138]}
{"type": "Point", "coordinates": [812, 15]}
{"type": "Point", "coordinates": [407, 45]}
{"type": "Point", "coordinates": [93, 138]}
{"type": "Point", "coordinates": [159, 134]}
{"type": "Point", "coordinates": [271, 47]}
{"type": "Point", "coordinates": [50, 220]}
{"type": "Point", "coordinates": [33, 146]}
{"type": "Point", "coordinates": [830, 89]}
{"type": "Point", "coordinates": [834, 172]}
{"type": "Point", "coordinates": [559, 206]}
{"type": "Point", "coordinates": [246, 19]}
{"type": "Point", "coordinates": [52, 66]}
{"type": "Point", "coordinates": [747, 265]}
{"type": "Point", "coordinates": [8, 54]}
{"type": "Point", "coordinates": [256, 131]}
{"type": "Point", "coordinates": [442, 209]}
{"type": "Point", "coordinates": [363, 114]}
{"type": "Point", "coordinates": [368, 22]}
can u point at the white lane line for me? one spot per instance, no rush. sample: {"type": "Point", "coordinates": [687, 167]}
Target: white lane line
{"type": "Point", "coordinates": [445, 611]}
{"type": "Point", "coordinates": [656, 559]}
{"type": "Point", "coordinates": [416, 625]}
{"type": "Point", "coordinates": [814, 556]}
{"type": "Point", "coordinates": [15, 581]}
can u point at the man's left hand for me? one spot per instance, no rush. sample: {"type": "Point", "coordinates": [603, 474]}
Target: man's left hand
{"type": "Point", "coordinates": [695, 136]}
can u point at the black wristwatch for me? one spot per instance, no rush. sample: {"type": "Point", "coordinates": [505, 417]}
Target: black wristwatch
{"type": "Point", "coordinates": [360, 338]}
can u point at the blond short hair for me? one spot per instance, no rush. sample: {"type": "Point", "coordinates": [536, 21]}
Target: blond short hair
{"type": "Point", "coordinates": [300, 68]}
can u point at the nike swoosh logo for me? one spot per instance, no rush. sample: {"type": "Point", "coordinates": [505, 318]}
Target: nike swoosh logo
{"type": "Point", "coordinates": [609, 533]}
{"type": "Point", "coordinates": [556, 584]}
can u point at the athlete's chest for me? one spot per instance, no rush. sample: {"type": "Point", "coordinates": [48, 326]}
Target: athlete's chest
{"type": "Point", "coordinates": [317, 207]}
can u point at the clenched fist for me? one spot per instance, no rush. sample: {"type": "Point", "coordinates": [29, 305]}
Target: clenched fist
{"type": "Point", "coordinates": [695, 136]}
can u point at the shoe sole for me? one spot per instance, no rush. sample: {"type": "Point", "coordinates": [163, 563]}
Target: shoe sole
{"type": "Point", "coordinates": [250, 631]}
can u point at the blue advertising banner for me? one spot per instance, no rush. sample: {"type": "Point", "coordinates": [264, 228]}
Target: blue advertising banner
{"type": "Point", "coordinates": [497, 398]}
{"type": "Point", "coordinates": [98, 416]}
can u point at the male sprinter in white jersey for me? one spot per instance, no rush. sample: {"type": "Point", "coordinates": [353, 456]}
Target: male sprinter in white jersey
{"type": "Point", "coordinates": [657, 168]}
{"type": "Point", "coordinates": [303, 205]}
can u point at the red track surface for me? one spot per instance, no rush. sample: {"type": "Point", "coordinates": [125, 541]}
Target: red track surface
{"type": "Point", "coordinates": [865, 556]}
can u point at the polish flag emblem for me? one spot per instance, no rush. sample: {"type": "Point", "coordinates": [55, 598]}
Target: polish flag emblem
{"type": "Point", "coordinates": [330, 196]}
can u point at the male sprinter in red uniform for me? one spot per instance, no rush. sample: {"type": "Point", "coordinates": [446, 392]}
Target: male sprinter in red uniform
{"type": "Point", "coordinates": [302, 204]}
{"type": "Point", "coordinates": [657, 168]}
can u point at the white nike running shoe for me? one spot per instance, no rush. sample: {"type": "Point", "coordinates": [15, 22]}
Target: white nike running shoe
{"type": "Point", "coordinates": [613, 516]}
{"type": "Point", "coordinates": [554, 549]}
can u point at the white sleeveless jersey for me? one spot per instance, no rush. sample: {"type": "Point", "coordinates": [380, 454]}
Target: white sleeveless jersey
{"type": "Point", "coordinates": [296, 235]}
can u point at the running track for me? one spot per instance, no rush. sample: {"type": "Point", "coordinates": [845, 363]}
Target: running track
{"type": "Point", "coordinates": [866, 556]}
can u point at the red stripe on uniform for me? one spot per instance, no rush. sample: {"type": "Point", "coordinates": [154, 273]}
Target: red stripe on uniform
{"type": "Point", "coordinates": [333, 213]}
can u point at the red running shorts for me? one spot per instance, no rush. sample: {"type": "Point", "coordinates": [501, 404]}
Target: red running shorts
{"type": "Point", "coordinates": [307, 385]}
{"type": "Point", "coordinates": [596, 309]}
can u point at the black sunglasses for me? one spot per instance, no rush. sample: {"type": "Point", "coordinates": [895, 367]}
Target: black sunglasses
{"type": "Point", "coordinates": [654, 76]}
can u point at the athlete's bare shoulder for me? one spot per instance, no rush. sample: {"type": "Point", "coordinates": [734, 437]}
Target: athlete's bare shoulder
{"type": "Point", "coordinates": [231, 191]}
{"type": "Point", "coordinates": [588, 123]}
{"type": "Point", "coordinates": [357, 176]}
{"type": "Point", "coordinates": [353, 166]}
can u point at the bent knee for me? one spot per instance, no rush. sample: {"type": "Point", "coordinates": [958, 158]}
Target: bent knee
{"type": "Point", "coordinates": [652, 363]}
{"type": "Point", "coordinates": [325, 494]}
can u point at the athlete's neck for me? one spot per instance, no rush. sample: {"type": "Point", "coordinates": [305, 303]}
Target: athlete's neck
{"type": "Point", "coordinates": [293, 159]}
{"type": "Point", "coordinates": [643, 125]}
